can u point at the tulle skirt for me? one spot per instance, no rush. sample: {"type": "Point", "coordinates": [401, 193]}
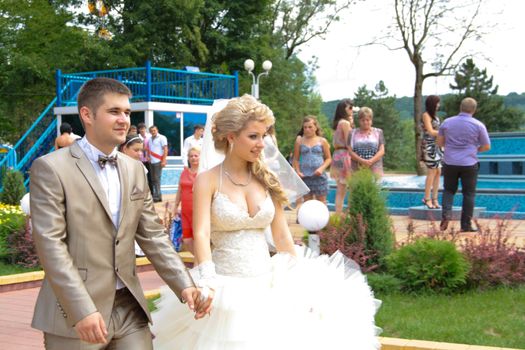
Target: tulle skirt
{"type": "Point", "coordinates": [309, 303]}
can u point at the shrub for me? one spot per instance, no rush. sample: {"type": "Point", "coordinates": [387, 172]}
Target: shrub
{"type": "Point", "coordinates": [335, 236]}
{"type": "Point", "coordinates": [384, 283]}
{"type": "Point", "coordinates": [22, 248]}
{"type": "Point", "coordinates": [367, 201]}
{"type": "Point", "coordinates": [13, 187]}
{"type": "Point", "coordinates": [494, 256]}
{"type": "Point", "coordinates": [429, 265]}
{"type": "Point", "coordinates": [12, 220]}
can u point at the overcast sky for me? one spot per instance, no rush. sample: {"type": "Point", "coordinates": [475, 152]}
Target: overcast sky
{"type": "Point", "coordinates": [344, 66]}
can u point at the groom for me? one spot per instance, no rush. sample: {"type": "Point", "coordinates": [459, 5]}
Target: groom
{"type": "Point", "coordinates": [88, 205]}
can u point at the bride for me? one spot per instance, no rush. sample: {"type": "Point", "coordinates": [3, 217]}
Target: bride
{"type": "Point", "coordinates": [260, 302]}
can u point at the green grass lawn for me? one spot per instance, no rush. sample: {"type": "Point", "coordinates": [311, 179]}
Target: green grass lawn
{"type": "Point", "coordinates": [8, 269]}
{"type": "Point", "coordinates": [491, 318]}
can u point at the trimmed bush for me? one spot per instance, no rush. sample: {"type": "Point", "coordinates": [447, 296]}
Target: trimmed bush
{"type": "Point", "coordinates": [366, 200]}
{"type": "Point", "coordinates": [22, 248]}
{"type": "Point", "coordinates": [13, 187]}
{"type": "Point", "coordinates": [384, 283]}
{"type": "Point", "coordinates": [335, 237]}
{"type": "Point", "coordinates": [494, 257]}
{"type": "Point", "coordinates": [429, 265]}
{"type": "Point", "coordinates": [12, 220]}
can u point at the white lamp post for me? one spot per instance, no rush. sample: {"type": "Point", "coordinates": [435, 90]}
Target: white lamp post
{"type": "Point", "coordinates": [249, 65]}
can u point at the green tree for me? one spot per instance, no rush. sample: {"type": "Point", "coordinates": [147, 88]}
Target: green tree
{"type": "Point", "coordinates": [386, 117]}
{"type": "Point", "coordinates": [470, 81]}
{"type": "Point", "coordinates": [35, 41]}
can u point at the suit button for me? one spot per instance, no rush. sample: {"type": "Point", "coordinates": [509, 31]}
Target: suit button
{"type": "Point", "coordinates": [116, 269]}
{"type": "Point", "coordinates": [117, 242]}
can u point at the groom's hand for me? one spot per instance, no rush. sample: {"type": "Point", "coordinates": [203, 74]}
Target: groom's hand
{"type": "Point", "coordinates": [92, 329]}
{"type": "Point", "coordinates": [191, 295]}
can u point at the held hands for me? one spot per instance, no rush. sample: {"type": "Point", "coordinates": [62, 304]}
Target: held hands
{"type": "Point", "coordinates": [199, 300]}
{"type": "Point", "coordinates": [318, 172]}
{"type": "Point", "coordinates": [92, 329]}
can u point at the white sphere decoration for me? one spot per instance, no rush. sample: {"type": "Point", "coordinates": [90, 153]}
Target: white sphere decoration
{"type": "Point", "coordinates": [313, 215]}
{"type": "Point", "coordinates": [249, 65]}
{"type": "Point", "coordinates": [267, 65]}
{"type": "Point", "coordinates": [24, 204]}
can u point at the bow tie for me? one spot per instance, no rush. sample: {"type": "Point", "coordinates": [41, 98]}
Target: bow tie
{"type": "Point", "coordinates": [102, 160]}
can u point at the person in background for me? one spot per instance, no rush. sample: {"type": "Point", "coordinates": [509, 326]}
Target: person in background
{"type": "Point", "coordinates": [65, 139]}
{"type": "Point", "coordinates": [144, 158]}
{"type": "Point", "coordinates": [132, 130]}
{"type": "Point", "coordinates": [311, 158]}
{"type": "Point", "coordinates": [133, 147]}
{"type": "Point", "coordinates": [194, 140]}
{"type": "Point", "coordinates": [431, 153]}
{"type": "Point", "coordinates": [340, 169]}
{"type": "Point", "coordinates": [157, 153]}
{"type": "Point", "coordinates": [367, 144]}
{"type": "Point", "coordinates": [463, 136]}
{"type": "Point", "coordinates": [184, 197]}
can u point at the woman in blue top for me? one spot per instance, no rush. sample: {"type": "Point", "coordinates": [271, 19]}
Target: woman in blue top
{"type": "Point", "coordinates": [311, 158]}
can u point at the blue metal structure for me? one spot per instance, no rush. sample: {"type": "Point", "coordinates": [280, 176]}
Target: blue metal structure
{"type": "Point", "coordinates": [148, 84]}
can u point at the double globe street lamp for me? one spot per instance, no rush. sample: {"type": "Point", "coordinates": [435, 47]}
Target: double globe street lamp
{"type": "Point", "coordinates": [249, 65]}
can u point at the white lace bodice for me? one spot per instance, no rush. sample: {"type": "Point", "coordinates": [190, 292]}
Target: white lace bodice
{"type": "Point", "coordinates": [239, 244]}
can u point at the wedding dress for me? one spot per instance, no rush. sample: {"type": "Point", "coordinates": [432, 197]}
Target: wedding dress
{"type": "Point", "coordinates": [265, 302]}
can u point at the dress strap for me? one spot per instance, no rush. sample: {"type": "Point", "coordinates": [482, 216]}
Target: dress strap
{"type": "Point", "coordinates": [220, 179]}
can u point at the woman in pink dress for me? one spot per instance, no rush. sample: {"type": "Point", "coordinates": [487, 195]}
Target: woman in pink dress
{"type": "Point", "coordinates": [341, 161]}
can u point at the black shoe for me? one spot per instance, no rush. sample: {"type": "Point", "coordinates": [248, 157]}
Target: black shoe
{"type": "Point", "coordinates": [156, 200]}
{"type": "Point", "coordinates": [469, 229]}
{"type": "Point", "coordinates": [443, 225]}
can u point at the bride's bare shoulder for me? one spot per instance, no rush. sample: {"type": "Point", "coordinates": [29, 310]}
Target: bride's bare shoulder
{"type": "Point", "coordinates": [208, 178]}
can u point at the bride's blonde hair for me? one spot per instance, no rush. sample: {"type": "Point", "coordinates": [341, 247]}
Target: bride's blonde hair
{"type": "Point", "coordinates": [233, 119]}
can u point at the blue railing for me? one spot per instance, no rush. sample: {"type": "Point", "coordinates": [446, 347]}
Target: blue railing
{"type": "Point", "coordinates": [36, 141]}
{"type": "Point", "coordinates": [155, 84]}
{"type": "Point", "coordinates": [146, 84]}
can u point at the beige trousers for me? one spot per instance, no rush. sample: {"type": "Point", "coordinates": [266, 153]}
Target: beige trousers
{"type": "Point", "coordinates": [128, 329]}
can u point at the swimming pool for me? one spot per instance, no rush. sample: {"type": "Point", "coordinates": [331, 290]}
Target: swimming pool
{"type": "Point", "coordinates": [499, 195]}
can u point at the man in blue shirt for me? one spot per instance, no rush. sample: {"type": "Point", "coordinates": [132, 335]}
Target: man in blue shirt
{"type": "Point", "coordinates": [463, 137]}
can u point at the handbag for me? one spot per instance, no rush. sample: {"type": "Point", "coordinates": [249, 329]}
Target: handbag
{"type": "Point", "coordinates": [176, 233]}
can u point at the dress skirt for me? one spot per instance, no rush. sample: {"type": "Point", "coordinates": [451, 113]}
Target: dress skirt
{"type": "Point", "coordinates": [306, 303]}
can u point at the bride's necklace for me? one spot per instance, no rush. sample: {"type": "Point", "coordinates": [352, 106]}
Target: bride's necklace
{"type": "Point", "coordinates": [238, 183]}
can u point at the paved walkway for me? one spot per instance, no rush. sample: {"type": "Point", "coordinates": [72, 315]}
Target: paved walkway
{"type": "Point", "coordinates": [17, 310]}
{"type": "Point", "coordinates": [16, 307]}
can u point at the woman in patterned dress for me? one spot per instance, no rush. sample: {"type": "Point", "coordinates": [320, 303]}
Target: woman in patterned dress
{"type": "Point", "coordinates": [341, 161]}
{"type": "Point", "coordinates": [431, 153]}
{"type": "Point", "coordinates": [367, 144]}
{"type": "Point", "coordinates": [311, 158]}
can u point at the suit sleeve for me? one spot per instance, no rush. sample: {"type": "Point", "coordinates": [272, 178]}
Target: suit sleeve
{"type": "Point", "coordinates": [48, 216]}
{"type": "Point", "coordinates": [154, 241]}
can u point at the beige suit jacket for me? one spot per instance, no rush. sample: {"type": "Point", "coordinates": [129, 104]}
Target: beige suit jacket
{"type": "Point", "coordinates": [79, 248]}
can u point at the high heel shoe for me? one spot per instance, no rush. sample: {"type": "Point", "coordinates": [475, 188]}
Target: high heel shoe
{"type": "Point", "coordinates": [435, 203]}
{"type": "Point", "coordinates": [428, 203]}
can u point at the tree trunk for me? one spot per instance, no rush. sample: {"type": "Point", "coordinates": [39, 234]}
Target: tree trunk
{"type": "Point", "coordinates": [418, 102]}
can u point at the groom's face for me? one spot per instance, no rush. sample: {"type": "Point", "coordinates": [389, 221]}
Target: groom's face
{"type": "Point", "coordinates": [108, 125]}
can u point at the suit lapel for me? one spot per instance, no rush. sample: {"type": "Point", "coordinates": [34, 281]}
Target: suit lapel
{"type": "Point", "coordinates": [87, 170]}
{"type": "Point", "coordinates": [124, 188]}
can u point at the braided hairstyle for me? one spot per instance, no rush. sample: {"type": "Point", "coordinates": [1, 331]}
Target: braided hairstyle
{"type": "Point", "coordinates": [233, 119]}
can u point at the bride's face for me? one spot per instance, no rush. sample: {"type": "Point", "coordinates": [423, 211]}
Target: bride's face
{"type": "Point", "coordinates": [249, 144]}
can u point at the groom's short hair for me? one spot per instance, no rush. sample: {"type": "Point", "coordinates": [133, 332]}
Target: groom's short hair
{"type": "Point", "coordinates": [92, 93]}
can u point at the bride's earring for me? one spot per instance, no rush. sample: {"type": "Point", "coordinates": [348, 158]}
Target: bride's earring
{"type": "Point", "coordinates": [231, 147]}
